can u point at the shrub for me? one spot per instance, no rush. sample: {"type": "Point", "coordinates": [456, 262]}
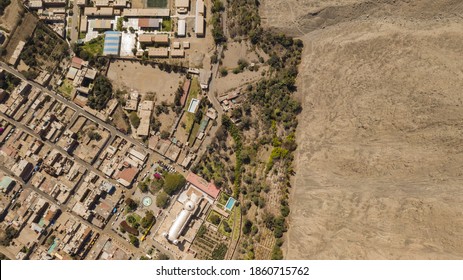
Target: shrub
{"type": "Point", "coordinates": [223, 72]}
{"type": "Point", "coordinates": [215, 219]}
{"type": "Point", "coordinates": [226, 227]}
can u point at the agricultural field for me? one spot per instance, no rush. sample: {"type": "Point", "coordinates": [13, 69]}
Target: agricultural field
{"type": "Point", "coordinates": [209, 244]}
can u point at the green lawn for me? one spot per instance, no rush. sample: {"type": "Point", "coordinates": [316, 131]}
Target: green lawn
{"type": "Point", "coordinates": [194, 133]}
{"type": "Point", "coordinates": [195, 89]}
{"type": "Point", "coordinates": [156, 3]}
{"type": "Point", "coordinates": [94, 47]}
{"type": "Point", "coordinates": [166, 25]}
{"type": "Point", "coordinates": [66, 89]}
{"type": "Point", "coordinates": [236, 229]}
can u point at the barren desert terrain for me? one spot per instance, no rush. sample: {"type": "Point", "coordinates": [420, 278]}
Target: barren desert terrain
{"type": "Point", "coordinates": [379, 167]}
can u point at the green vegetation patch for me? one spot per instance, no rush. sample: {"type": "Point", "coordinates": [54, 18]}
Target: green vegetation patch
{"type": "Point", "coordinates": [220, 252]}
{"type": "Point", "coordinates": [66, 88]}
{"type": "Point", "coordinates": [156, 3]}
{"type": "Point", "coordinates": [45, 49]}
{"type": "Point", "coordinates": [166, 25]}
{"type": "Point", "coordinates": [134, 119]}
{"type": "Point", "coordinates": [217, 26]}
{"type": "Point", "coordinates": [173, 182]}
{"type": "Point", "coordinates": [8, 81]}
{"type": "Point", "coordinates": [101, 93]}
{"type": "Point", "coordinates": [92, 48]}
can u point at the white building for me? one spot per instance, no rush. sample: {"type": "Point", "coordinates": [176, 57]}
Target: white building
{"type": "Point", "coordinates": [181, 32]}
{"type": "Point", "coordinates": [182, 219]}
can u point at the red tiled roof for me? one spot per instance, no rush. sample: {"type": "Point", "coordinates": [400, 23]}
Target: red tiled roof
{"type": "Point", "coordinates": [202, 184]}
{"type": "Point", "coordinates": [127, 174]}
{"type": "Point", "coordinates": [76, 62]}
{"type": "Point", "coordinates": [50, 215]}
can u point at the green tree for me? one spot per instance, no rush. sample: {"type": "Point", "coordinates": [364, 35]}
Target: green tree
{"type": "Point", "coordinates": [202, 230]}
{"type": "Point", "coordinates": [226, 226]}
{"type": "Point", "coordinates": [147, 220]}
{"type": "Point", "coordinates": [143, 186]}
{"type": "Point", "coordinates": [134, 240]}
{"type": "Point", "coordinates": [173, 182]}
{"type": "Point", "coordinates": [101, 93]}
{"type": "Point", "coordinates": [131, 204]}
{"type": "Point", "coordinates": [215, 219]}
{"type": "Point", "coordinates": [134, 119]}
{"type": "Point", "coordinates": [93, 135]}
{"type": "Point", "coordinates": [162, 199]}
{"type": "Point", "coordinates": [277, 254]}
{"type": "Point", "coordinates": [7, 236]}
{"type": "Point", "coordinates": [247, 226]}
{"type": "Point", "coordinates": [164, 134]}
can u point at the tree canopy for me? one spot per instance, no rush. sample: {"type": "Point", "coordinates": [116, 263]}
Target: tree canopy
{"type": "Point", "coordinates": [173, 182]}
{"type": "Point", "coordinates": [101, 93]}
{"type": "Point", "coordinates": [162, 199]}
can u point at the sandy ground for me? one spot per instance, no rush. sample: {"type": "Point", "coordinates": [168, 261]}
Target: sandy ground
{"type": "Point", "coordinates": [236, 51]}
{"type": "Point", "coordinates": [133, 75]}
{"type": "Point", "coordinates": [380, 136]}
{"type": "Point", "coordinates": [233, 81]}
{"type": "Point", "coordinates": [11, 15]}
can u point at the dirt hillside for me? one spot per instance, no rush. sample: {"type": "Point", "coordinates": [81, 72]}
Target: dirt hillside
{"type": "Point", "coordinates": [380, 162]}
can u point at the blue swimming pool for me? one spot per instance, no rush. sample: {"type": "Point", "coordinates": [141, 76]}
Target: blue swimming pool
{"type": "Point", "coordinates": [230, 203]}
{"type": "Point", "coordinates": [52, 247]}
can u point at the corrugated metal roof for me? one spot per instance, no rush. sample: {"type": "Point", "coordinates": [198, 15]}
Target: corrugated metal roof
{"type": "Point", "coordinates": [112, 43]}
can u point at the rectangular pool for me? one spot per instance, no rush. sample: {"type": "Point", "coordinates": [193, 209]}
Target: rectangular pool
{"type": "Point", "coordinates": [230, 203]}
{"type": "Point", "coordinates": [193, 105]}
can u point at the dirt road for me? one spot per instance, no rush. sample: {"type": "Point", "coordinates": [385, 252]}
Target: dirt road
{"type": "Point", "coordinates": [380, 136]}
